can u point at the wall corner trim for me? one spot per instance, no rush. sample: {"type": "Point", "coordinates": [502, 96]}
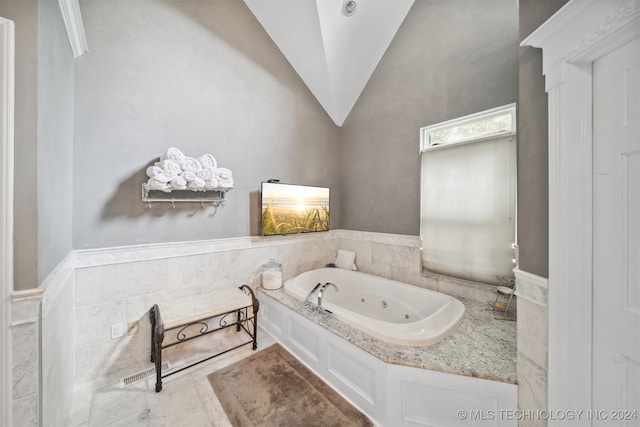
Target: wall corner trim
{"type": "Point", "coordinates": [7, 93]}
{"type": "Point", "coordinates": [75, 28]}
{"type": "Point", "coordinates": [25, 306]}
{"type": "Point", "coordinates": [531, 287]}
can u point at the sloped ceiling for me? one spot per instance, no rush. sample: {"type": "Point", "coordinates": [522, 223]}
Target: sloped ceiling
{"type": "Point", "coordinates": [334, 53]}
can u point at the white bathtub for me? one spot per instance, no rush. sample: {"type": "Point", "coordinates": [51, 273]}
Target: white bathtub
{"type": "Point", "coordinates": [389, 310]}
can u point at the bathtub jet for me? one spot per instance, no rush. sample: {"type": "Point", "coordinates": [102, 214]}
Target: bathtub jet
{"type": "Point", "coordinates": [391, 311]}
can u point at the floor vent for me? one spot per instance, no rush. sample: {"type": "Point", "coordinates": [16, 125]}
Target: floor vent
{"type": "Point", "coordinates": [131, 379]}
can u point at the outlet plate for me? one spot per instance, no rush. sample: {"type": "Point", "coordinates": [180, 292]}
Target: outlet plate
{"type": "Point", "coordinates": [117, 330]}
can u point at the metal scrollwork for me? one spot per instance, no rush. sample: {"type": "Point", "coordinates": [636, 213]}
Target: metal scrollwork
{"type": "Point", "coordinates": [223, 320]}
{"type": "Point", "coordinates": [181, 336]}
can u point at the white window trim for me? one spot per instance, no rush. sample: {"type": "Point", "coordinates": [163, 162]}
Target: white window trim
{"type": "Point", "coordinates": [425, 132]}
{"type": "Point", "coordinates": [482, 115]}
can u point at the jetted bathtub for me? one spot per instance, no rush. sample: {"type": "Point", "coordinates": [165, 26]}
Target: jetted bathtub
{"type": "Point", "coordinates": [392, 311]}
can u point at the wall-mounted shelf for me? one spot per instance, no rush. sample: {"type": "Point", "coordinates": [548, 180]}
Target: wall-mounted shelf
{"type": "Point", "coordinates": [214, 197]}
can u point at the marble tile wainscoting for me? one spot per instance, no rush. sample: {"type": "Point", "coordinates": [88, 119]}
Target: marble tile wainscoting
{"type": "Point", "coordinates": [94, 289]}
{"type": "Point", "coordinates": [398, 257]}
{"type": "Point", "coordinates": [119, 285]}
{"type": "Point", "coordinates": [533, 342]}
{"type": "Point", "coordinates": [25, 384]}
{"type": "Point", "coordinates": [57, 337]}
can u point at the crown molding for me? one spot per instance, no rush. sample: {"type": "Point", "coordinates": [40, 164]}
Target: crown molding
{"type": "Point", "coordinates": [583, 31]}
{"type": "Point", "coordinates": [75, 28]}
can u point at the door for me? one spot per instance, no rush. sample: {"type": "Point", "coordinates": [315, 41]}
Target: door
{"type": "Point", "coordinates": [616, 237]}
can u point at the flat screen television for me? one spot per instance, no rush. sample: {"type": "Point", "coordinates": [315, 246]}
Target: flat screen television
{"type": "Point", "coordinates": [291, 209]}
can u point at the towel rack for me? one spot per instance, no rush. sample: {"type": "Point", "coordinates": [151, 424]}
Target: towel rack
{"type": "Point", "coordinates": [213, 197]}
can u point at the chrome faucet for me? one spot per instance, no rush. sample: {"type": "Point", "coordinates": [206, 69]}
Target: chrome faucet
{"type": "Point", "coordinates": [321, 292]}
{"type": "Point", "coordinates": [307, 302]}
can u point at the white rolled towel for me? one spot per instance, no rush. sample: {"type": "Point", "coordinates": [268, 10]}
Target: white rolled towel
{"type": "Point", "coordinates": [153, 171]}
{"type": "Point", "coordinates": [196, 184]}
{"type": "Point", "coordinates": [170, 165]}
{"type": "Point", "coordinates": [178, 183]}
{"type": "Point", "coordinates": [173, 154]}
{"type": "Point", "coordinates": [189, 176]}
{"type": "Point", "coordinates": [223, 173]}
{"type": "Point", "coordinates": [189, 164]}
{"type": "Point", "coordinates": [226, 183]}
{"type": "Point", "coordinates": [156, 184]}
{"type": "Point", "coordinates": [205, 174]}
{"type": "Point", "coordinates": [165, 176]}
{"type": "Point", "coordinates": [208, 161]}
{"type": "Point", "coordinates": [212, 183]}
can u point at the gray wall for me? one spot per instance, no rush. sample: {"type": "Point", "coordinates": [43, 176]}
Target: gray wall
{"type": "Point", "coordinates": [207, 78]}
{"type": "Point", "coordinates": [24, 13]}
{"type": "Point", "coordinates": [43, 139]}
{"type": "Point", "coordinates": [533, 183]}
{"type": "Point", "coordinates": [55, 139]}
{"type": "Point", "coordinates": [200, 76]}
{"type": "Point", "coordinates": [449, 59]}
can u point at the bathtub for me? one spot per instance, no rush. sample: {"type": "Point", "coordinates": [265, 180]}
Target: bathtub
{"type": "Point", "coordinates": [391, 311]}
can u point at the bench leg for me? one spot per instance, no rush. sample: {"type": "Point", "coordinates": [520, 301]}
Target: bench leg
{"type": "Point", "coordinates": [152, 319]}
{"type": "Point", "coordinates": [157, 336]}
{"type": "Point", "coordinates": [256, 307]}
{"type": "Point", "coordinates": [158, 360]}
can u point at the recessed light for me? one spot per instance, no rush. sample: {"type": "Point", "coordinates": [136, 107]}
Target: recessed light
{"type": "Point", "coordinates": [349, 7]}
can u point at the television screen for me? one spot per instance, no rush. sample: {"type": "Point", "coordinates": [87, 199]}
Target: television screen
{"type": "Point", "coordinates": [291, 209]}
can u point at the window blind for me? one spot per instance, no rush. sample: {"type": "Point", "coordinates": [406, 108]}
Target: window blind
{"type": "Point", "coordinates": [468, 209]}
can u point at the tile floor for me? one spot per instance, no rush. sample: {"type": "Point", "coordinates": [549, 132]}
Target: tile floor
{"type": "Point", "coordinates": [186, 399]}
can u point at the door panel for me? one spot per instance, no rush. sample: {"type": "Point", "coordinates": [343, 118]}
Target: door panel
{"type": "Point", "coordinates": [616, 234]}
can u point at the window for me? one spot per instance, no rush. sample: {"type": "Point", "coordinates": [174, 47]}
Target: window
{"type": "Point", "coordinates": [468, 196]}
{"type": "Point", "coordinates": [487, 124]}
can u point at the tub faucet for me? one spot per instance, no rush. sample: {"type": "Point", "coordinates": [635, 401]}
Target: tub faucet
{"type": "Point", "coordinates": [321, 292]}
{"type": "Point", "coordinates": [307, 302]}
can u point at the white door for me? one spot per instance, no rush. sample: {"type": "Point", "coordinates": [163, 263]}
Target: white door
{"type": "Point", "coordinates": [616, 237]}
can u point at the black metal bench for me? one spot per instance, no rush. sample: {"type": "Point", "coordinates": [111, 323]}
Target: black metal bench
{"type": "Point", "coordinates": [200, 315]}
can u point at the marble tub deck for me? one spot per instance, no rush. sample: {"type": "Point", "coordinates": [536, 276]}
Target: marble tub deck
{"type": "Point", "coordinates": [481, 347]}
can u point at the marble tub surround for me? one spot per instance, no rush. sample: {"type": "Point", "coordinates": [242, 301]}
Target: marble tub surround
{"type": "Point", "coordinates": [397, 257]}
{"type": "Point", "coordinates": [119, 285]}
{"type": "Point", "coordinates": [481, 347]}
{"type": "Point", "coordinates": [93, 289]}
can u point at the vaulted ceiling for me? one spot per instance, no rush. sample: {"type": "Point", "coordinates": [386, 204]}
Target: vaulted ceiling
{"type": "Point", "coordinates": [333, 48]}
